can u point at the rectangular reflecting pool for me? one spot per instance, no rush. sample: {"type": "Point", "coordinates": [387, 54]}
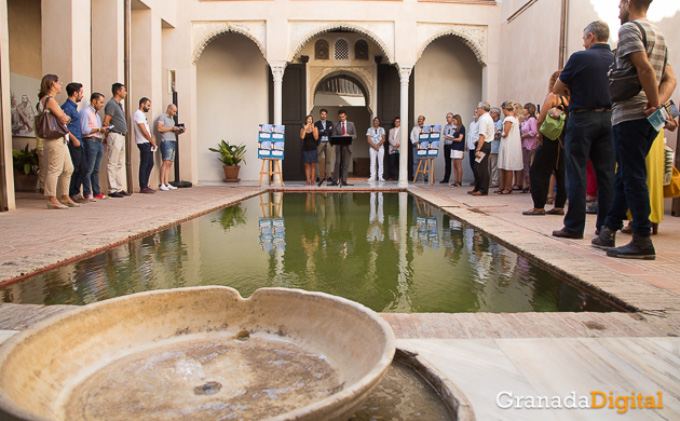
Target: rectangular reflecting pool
{"type": "Point", "coordinates": [389, 251]}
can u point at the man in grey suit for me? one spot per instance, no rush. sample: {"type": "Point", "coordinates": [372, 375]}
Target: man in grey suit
{"type": "Point", "coordinates": [343, 128]}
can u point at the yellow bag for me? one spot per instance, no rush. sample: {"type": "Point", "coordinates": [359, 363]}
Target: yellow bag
{"type": "Point", "coordinates": [673, 189]}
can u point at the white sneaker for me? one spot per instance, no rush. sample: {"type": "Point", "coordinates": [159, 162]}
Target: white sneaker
{"type": "Point", "coordinates": [163, 187]}
{"type": "Point", "coordinates": [171, 187]}
{"type": "Point", "coordinates": [371, 179]}
{"type": "Point", "coordinates": [381, 179]}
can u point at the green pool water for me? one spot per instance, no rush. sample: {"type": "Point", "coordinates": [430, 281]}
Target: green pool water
{"type": "Point", "coordinates": [389, 251]}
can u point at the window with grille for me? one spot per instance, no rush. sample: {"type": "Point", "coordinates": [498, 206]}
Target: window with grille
{"type": "Point", "coordinates": [361, 50]}
{"type": "Point", "coordinates": [321, 50]}
{"type": "Point", "coordinates": [341, 50]}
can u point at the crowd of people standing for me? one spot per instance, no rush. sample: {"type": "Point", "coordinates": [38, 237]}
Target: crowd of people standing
{"type": "Point", "coordinates": [70, 164]}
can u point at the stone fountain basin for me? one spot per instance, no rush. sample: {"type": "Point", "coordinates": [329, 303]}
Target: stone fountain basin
{"type": "Point", "coordinates": [198, 353]}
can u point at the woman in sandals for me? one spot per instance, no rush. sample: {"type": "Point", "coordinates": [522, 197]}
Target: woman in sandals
{"type": "Point", "coordinates": [549, 157]}
{"type": "Point", "coordinates": [510, 154]}
{"type": "Point", "coordinates": [57, 156]}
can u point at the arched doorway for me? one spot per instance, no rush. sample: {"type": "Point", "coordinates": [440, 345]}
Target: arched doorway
{"type": "Point", "coordinates": [344, 91]}
{"type": "Point", "coordinates": [231, 100]}
{"type": "Point", "coordinates": [448, 78]}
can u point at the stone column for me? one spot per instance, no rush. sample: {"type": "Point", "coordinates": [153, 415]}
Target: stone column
{"type": "Point", "coordinates": [66, 42]}
{"type": "Point", "coordinates": [404, 74]}
{"type": "Point", "coordinates": [277, 72]}
{"type": "Point", "coordinates": [7, 200]}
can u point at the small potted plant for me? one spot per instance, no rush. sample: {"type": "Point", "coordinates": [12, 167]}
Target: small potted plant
{"type": "Point", "coordinates": [230, 157]}
{"type": "Point", "coordinates": [25, 169]}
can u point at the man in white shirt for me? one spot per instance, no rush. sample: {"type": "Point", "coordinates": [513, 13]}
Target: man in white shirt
{"type": "Point", "coordinates": [482, 150]}
{"type": "Point", "coordinates": [415, 141]}
{"type": "Point", "coordinates": [145, 143]}
{"type": "Point", "coordinates": [472, 138]}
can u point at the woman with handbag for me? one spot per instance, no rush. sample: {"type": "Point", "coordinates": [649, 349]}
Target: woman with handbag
{"type": "Point", "coordinates": [549, 155]}
{"type": "Point", "coordinates": [50, 126]}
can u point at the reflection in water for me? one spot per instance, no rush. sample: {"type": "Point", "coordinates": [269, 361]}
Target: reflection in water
{"type": "Point", "coordinates": [390, 251]}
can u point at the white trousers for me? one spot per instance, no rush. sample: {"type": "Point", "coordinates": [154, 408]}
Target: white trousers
{"type": "Point", "coordinates": [378, 155]}
{"type": "Point", "coordinates": [115, 168]}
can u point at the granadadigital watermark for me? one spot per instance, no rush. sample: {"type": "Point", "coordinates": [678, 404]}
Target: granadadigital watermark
{"type": "Point", "coordinates": [594, 400]}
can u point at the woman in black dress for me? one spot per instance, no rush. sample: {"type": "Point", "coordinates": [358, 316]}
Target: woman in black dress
{"type": "Point", "coordinates": [310, 140]}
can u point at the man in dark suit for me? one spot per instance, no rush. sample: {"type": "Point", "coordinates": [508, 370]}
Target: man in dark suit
{"type": "Point", "coordinates": [324, 151]}
{"type": "Point", "coordinates": [343, 128]}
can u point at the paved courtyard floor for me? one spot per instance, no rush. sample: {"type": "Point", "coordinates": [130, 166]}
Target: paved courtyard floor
{"type": "Point", "coordinates": [492, 361]}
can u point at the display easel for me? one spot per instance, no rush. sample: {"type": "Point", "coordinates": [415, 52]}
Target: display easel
{"type": "Point", "coordinates": [425, 167]}
{"type": "Point", "coordinates": [270, 169]}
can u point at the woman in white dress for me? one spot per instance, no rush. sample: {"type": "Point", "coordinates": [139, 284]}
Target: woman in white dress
{"type": "Point", "coordinates": [510, 154]}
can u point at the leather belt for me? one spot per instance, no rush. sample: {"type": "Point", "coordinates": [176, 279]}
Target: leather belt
{"type": "Point", "coordinates": [594, 110]}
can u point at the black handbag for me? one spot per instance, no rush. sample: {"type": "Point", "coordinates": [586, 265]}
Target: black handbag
{"type": "Point", "coordinates": [625, 83]}
{"type": "Point", "coordinates": [47, 126]}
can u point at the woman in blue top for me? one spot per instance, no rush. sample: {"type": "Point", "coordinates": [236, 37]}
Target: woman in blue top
{"type": "Point", "coordinates": [376, 137]}
{"type": "Point", "coordinates": [458, 151]}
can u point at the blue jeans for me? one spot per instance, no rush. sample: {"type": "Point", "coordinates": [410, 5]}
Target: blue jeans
{"type": "Point", "coordinates": [94, 152]}
{"type": "Point", "coordinates": [589, 135]}
{"type": "Point", "coordinates": [632, 142]}
{"type": "Point", "coordinates": [79, 164]}
{"type": "Point", "coordinates": [145, 164]}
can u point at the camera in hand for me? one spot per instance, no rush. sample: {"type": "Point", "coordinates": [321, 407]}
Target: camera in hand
{"type": "Point", "coordinates": [180, 126]}
{"type": "Point", "coordinates": [109, 127]}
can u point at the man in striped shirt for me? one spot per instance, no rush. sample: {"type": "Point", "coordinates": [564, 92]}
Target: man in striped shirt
{"type": "Point", "coordinates": [643, 46]}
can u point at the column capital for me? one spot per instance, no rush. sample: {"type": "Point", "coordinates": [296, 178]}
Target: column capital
{"type": "Point", "coordinates": [278, 67]}
{"type": "Point", "coordinates": [404, 72]}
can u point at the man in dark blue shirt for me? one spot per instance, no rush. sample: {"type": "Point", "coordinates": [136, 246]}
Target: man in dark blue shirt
{"type": "Point", "coordinates": [588, 130]}
{"type": "Point", "coordinates": [74, 90]}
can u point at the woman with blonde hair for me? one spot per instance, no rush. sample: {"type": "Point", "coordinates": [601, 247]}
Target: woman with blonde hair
{"type": "Point", "coordinates": [458, 151]}
{"type": "Point", "coordinates": [510, 153]}
{"type": "Point", "coordinates": [57, 156]}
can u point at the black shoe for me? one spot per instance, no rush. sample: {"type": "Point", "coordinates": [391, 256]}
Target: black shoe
{"type": "Point", "coordinates": [344, 183]}
{"type": "Point", "coordinates": [563, 233]}
{"type": "Point", "coordinates": [124, 193]}
{"type": "Point", "coordinates": [116, 194]}
{"type": "Point", "coordinates": [318, 179]}
{"type": "Point", "coordinates": [329, 179]}
{"type": "Point", "coordinates": [638, 248]}
{"type": "Point", "coordinates": [444, 182]}
{"type": "Point", "coordinates": [591, 209]}
{"type": "Point", "coordinates": [605, 239]}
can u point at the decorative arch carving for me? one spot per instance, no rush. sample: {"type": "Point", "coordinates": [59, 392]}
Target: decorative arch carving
{"type": "Point", "coordinates": [347, 26]}
{"type": "Point", "coordinates": [205, 33]}
{"type": "Point", "coordinates": [475, 37]}
{"type": "Point", "coordinates": [359, 74]}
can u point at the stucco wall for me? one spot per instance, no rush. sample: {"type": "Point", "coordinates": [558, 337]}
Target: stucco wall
{"type": "Point", "coordinates": [232, 95]}
{"type": "Point", "coordinates": [447, 79]}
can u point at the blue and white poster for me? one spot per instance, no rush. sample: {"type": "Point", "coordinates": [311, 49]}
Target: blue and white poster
{"type": "Point", "coordinates": [271, 141]}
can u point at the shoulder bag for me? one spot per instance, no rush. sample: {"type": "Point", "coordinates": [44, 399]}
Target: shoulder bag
{"type": "Point", "coordinates": [625, 83]}
{"type": "Point", "coordinates": [47, 126]}
{"type": "Point", "coordinates": [554, 122]}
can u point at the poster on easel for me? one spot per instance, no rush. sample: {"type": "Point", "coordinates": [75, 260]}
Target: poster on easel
{"type": "Point", "coordinates": [435, 137]}
{"type": "Point", "coordinates": [423, 142]}
{"type": "Point", "coordinates": [271, 141]}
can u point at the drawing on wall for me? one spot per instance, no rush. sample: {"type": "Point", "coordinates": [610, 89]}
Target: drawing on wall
{"type": "Point", "coordinates": [23, 97]}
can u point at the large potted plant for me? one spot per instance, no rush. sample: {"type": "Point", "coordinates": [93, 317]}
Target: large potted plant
{"type": "Point", "coordinates": [230, 157]}
{"type": "Point", "coordinates": [25, 169]}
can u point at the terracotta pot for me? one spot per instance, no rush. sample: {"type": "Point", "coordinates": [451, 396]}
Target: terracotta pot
{"type": "Point", "coordinates": [23, 182]}
{"type": "Point", "coordinates": [231, 172]}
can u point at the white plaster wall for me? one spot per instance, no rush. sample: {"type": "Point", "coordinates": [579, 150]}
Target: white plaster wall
{"type": "Point", "coordinates": [448, 78]}
{"type": "Point", "coordinates": [232, 99]}
{"type": "Point", "coordinates": [6, 135]}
